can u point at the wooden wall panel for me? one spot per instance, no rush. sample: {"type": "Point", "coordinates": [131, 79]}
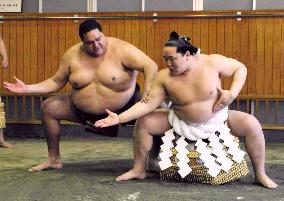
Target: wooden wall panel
{"type": "Point", "coordinates": [105, 23]}
{"type": "Point", "coordinates": [35, 46]}
{"type": "Point", "coordinates": [181, 27]}
{"type": "Point", "coordinates": [188, 28]}
{"type": "Point", "coordinates": [220, 47]}
{"type": "Point", "coordinates": [134, 31]}
{"type": "Point", "coordinates": [61, 41]}
{"type": "Point", "coordinates": [276, 57]}
{"type": "Point", "coordinates": [260, 58]}
{"type": "Point", "coordinates": [120, 29]}
{"type": "Point", "coordinates": [48, 48]}
{"type": "Point", "coordinates": [157, 43]}
{"type": "Point", "coordinates": [54, 46]}
{"type": "Point", "coordinates": [282, 58]}
{"type": "Point", "coordinates": [41, 51]}
{"type": "Point", "coordinates": [251, 64]}
{"type": "Point", "coordinates": [128, 30]}
{"type": "Point", "coordinates": [20, 49]}
{"type": "Point", "coordinates": [196, 32]}
{"type": "Point", "coordinates": [13, 51]}
{"type": "Point", "coordinates": [27, 51]}
{"type": "Point", "coordinates": [229, 45]}
{"type": "Point", "coordinates": [244, 50]}
{"type": "Point", "coordinates": [165, 30]}
{"type": "Point", "coordinates": [150, 39]}
{"type": "Point", "coordinates": [212, 36]}
{"type": "Point", "coordinates": [268, 55]}
{"type": "Point", "coordinates": [204, 34]}
{"type": "Point", "coordinates": [34, 51]}
{"type": "Point", "coordinates": [113, 27]}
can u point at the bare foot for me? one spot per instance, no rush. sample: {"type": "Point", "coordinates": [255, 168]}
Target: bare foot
{"type": "Point", "coordinates": [132, 174]}
{"type": "Point", "coordinates": [265, 181]}
{"type": "Point", "coordinates": [5, 144]}
{"type": "Point", "coordinates": [46, 166]}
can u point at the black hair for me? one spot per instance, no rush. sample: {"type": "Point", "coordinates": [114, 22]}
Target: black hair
{"type": "Point", "coordinates": [181, 43]}
{"type": "Point", "coordinates": [87, 26]}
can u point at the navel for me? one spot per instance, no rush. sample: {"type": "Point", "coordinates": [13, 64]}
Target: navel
{"type": "Point", "coordinates": [113, 78]}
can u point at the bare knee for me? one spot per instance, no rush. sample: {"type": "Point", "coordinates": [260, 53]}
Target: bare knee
{"type": "Point", "coordinates": [154, 123]}
{"type": "Point", "coordinates": [47, 109]}
{"type": "Point", "coordinates": [143, 123]}
{"type": "Point", "coordinates": [252, 125]}
{"type": "Point", "coordinates": [246, 125]}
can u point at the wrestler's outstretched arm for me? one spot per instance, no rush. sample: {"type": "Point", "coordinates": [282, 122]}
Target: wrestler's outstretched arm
{"type": "Point", "coordinates": [156, 96]}
{"type": "Point", "coordinates": [50, 85]}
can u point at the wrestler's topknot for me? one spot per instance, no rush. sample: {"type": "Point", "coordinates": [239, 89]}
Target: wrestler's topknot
{"type": "Point", "coordinates": [181, 43]}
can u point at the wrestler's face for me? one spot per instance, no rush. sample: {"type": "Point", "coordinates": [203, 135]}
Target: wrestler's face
{"type": "Point", "coordinates": [95, 43]}
{"type": "Point", "coordinates": [176, 62]}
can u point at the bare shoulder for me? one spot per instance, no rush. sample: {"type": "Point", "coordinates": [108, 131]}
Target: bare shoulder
{"type": "Point", "coordinates": [72, 51]}
{"type": "Point", "coordinates": [122, 46]}
{"type": "Point", "coordinates": [163, 75]}
{"type": "Point", "coordinates": [129, 54]}
{"type": "Point", "coordinates": [70, 54]}
{"type": "Point", "coordinates": [215, 59]}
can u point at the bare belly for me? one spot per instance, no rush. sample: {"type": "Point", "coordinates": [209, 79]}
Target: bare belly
{"type": "Point", "coordinates": [94, 100]}
{"type": "Point", "coordinates": [196, 113]}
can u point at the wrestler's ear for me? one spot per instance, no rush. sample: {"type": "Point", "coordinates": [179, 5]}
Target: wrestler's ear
{"type": "Point", "coordinates": [174, 35]}
{"type": "Point", "coordinates": [187, 53]}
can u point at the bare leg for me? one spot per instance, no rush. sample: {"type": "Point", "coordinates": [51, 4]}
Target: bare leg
{"type": "Point", "coordinates": [154, 123]}
{"type": "Point", "coordinates": [3, 143]}
{"type": "Point", "coordinates": [53, 110]}
{"type": "Point", "coordinates": [247, 126]}
{"type": "Point", "coordinates": [152, 163]}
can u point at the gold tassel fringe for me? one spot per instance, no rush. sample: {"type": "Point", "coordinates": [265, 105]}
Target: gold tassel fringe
{"type": "Point", "coordinates": [199, 171]}
{"type": "Point", "coordinates": [2, 116]}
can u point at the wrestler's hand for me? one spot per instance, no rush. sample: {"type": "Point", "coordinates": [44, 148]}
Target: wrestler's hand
{"type": "Point", "coordinates": [5, 63]}
{"type": "Point", "coordinates": [18, 87]}
{"type": "Point", "coordinates": [224, 99]}
{"type": "Point", "coordinates": [111, 120]}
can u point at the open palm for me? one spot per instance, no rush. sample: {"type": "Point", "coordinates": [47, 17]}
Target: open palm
{"type": "Point", "coordinates": [111, 120]}
{"type": "Point", "coordinates": [18, 87]}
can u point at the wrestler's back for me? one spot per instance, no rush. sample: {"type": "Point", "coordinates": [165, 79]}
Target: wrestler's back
{"type": "Point", "coordinates": [194, 93]}
{"type": "Point", "coordinates": [100, 82]}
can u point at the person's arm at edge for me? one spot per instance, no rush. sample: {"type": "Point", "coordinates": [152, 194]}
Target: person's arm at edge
{"type": "Point", "coordinates": [3, 52]}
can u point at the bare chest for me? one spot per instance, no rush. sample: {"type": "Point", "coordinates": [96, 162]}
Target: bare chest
{"type": "Point", "coordinates": [190, 89]}
{"type": "Point", "coordinates": [109, 73]}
